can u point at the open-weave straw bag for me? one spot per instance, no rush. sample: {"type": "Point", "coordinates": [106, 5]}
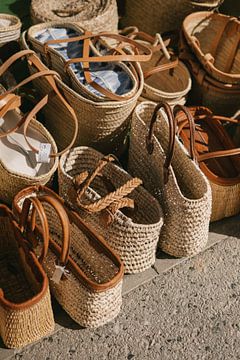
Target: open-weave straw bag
{"type": "Point", "coordinates": [214, 39]}
{"type": "Point", "coordinates": [218, 158]}
{"type": "Point", "coordinates": [94, 15]}
{"type": "Point", "coordinates": [100, 190]}
{"type": "Point", "coordinates": [157, 16]}
{"type": "Point", "coordinates": [10, 28]}
{"type": "Point", "coordinates": [103, 125]}
{"type": "Point", "coordinates": [160, 160]}
{"type": "Point", "coordinates": [85, 275]}
{"type": "Point", "coordinates": [221, 98]}
{"type": "Point", "coordinates": [25, 305]}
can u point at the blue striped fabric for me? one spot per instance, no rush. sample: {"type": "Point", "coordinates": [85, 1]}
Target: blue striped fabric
{"type": "Point", "coordinates": [109, 75]}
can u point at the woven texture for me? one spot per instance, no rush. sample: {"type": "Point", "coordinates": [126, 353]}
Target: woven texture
{"type": "Point", "coordinates": [103, 125]}
{"type": "Point", "coordinates": [154, 16]}
{"type": "Point", "coordinates": [86, 305]}
{"type": "Point", "coordinates": [94, 15]}
{"type": "Point", "coordinates": [214, 39]}
{"type": "Point", "coordinates": [10, 28]}
{"type": "Point", "coordinates": [133, 235]}
{"type": "Point", "coordinates": [185, 198]}
{"type": "Point", "coordinates": [21, 323]}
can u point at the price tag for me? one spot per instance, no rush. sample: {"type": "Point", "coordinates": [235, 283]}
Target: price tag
{"type": "Point", "coordinates": [58, 273]}
{"type": "Point", "coordinates": [44, 153]}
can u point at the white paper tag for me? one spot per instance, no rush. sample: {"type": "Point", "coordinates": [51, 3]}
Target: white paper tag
{"type": "Point", "coordinates": [44, 153]}
{"type": "Point", "coordinates": [58, 273]}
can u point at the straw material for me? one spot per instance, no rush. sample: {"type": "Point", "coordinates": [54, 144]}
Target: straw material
{"type": "Point", "coordinates": [214, 39]}
{"type": "Point", "coordinates": [157, 16]}
{"type": "Point", "coordinates": [94, 15]}
{"type": "Point", "coordinates": [103, 125]}
{"type": "Point", "coordinates": [25, 306]}
{"type": "Point", "coordinates": [185, 197]}
{"type": "Point", "coordinates": [10, 28]}
{"type": "Point", "coordinates": [132, 233]}
{"type": "Point", "coordinates": [91, 285]}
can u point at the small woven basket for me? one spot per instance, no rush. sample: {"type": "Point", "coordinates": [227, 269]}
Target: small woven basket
{"type": "Point", "coordinates": [10, 28]}
{"type": "Point", "coordinates": [85, 274]}
{"type": "Point", "coordinates": [93, 15]}
{"type": "Point", "coordinates": [133, 234]}
{"type": "Point", "coordinates": [173, 178]}
{"type": "Point", "coordinates": [25, 305]}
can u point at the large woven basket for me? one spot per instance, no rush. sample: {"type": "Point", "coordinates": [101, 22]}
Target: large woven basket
{"type": "Point", "coordinates": [88, 281]}
{"type": "Point", "coordinates": [157, 16]}
{"type": "Point", "coordinates": [132, 233]}
{"type": "Point", "coordinates": [214, 39]}
{"type": "Point", "coordinates": [93, 15]}
{"type": "Point", "coordinates": [10, 28]}
{"type": "Point", "coordinates": [25, 305]}
{"type": "Point", "coordinates": [173, 178]}
{"type": "Point", "coordinates": [103, 125]}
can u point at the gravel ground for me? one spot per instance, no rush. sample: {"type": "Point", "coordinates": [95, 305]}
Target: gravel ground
{"type": "Point", "coordinates": [191, 312]}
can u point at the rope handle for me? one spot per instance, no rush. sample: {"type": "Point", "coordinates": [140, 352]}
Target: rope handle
{"type": "Point", "coordinates": [172, 131]}
{"type": "Point", "coordinates": [113, 201]}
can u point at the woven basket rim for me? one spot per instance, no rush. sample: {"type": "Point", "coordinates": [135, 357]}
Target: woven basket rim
{"type": "Point", "coordinates": [16, 25]}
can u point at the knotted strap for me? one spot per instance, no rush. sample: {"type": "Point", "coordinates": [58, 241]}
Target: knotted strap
{"type": "Point", "coordinates": [112, 202]}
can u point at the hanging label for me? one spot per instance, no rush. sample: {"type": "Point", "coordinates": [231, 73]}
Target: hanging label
{"type": "Point", "coordinates": [58, 273]}
{"type": "Point", "coordinates": [44, 153]}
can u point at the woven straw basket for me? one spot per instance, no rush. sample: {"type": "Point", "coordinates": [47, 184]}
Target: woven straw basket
{"type": "Point", "coordinates": [214, 39]}
{"type": "Point", "coordinates": [221, 98]}
{"type": "Point", "coordinates": [25, 305]}
{"type": "Point", "coordinates": [103, 125]}
{"type": "Point", "coordinates": [10, 28]}
{"type": "Point", "coordinates": [157, 16]}
{"type": "Point", "coordinates": [94, 15]}
{"type": "Point", "coordinates": [132, 233]}
{"type": "Point", "coordinates": [88, 281]}
{"type": "Point", "coordinates": [175, 180]}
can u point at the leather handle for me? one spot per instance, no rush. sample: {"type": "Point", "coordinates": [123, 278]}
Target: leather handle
{"type": "Point", "coordinates": [23, 220]}
{"type": "Point", "coordinates": [172, 132]}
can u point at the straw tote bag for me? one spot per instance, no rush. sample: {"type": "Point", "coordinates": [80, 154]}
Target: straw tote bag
{"type": "Point", "coordinates": [24, 159]}
{"type": "Point", "coordinates": [25, 305]}
{"type": "Point", "coordinates": [10, 28]}
{"type": "Point", "coordinates": [159, 159]}
{"type": "Point", "coordinates": [158, 16]}
{"type": "Point", "coordinates": [94, 15]}
{"type": "Point", "coordinates": [85, 275]}
{"type": "Point", "coordinates": [214, 39]}
{"type": "Point", "coordinates": [218, 158]}
{"type": "Point", "coordinates": [102, 124]}
{"type": "Point", "coordinates": [108, 198]}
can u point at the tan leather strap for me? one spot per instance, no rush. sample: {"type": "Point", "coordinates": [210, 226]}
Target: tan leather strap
{"type": "Point", "coordinates": [112, 201]}
{"type": "Point", "coordinates": [172, 132]}
{"type": "Point", "coordinates": [178, 108]}
{"type": "Point", "coordinates": [23, 221]}
{"type": "Point", "coordinates": [12, 103]}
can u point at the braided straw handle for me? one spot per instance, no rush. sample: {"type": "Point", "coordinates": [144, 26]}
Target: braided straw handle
{"type": "Point", "coordinates": [111, 202]}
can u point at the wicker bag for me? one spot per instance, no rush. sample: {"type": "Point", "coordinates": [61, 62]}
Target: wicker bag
{"type": "Point", "coordinates": [10, 28]}
{"type": "Point", "coordinates": [94, 15]}
{"type": "Point", "coordinates": [85, 274]}
{"type": "Point", "coordinates": [103, 125]}
{"type": "Point", "coordinates": [158, 16]}
{"type": "Point", "coordinates": [218, 158]}
{"type": "Point", "coordinates": [221, 98]}
{"type": "Point", "coordinates": [214, 39]}
{"type": "Point", "coordinates": [25, 305]}
{"type": "Point", "coordinates": [172, 177]}
{"type": "Point", "coordinates": [98, 190]}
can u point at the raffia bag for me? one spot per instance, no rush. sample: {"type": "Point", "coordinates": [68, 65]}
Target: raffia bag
{"type": "Point", "coordinates": [85, 274]}
{"type": "Point", "coordinates": [221, 98]}
{"type": "Point", "coordinates": [10, 28]}
{"type": "Point", "coordinates": [214, 39]}
{"type": "Point", "coordinates": [157, 16]}
{"type": "Point", "coordinates": [103, 125]}
{"type": "Point", "coordinates": [94, 15]}
{"type": "Point", "coordinates": [159, 159]}
{"type": "Point", "coordinates": [25, 305]}
{"type": "Point", "coordinates": [100, 190]}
